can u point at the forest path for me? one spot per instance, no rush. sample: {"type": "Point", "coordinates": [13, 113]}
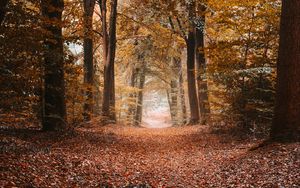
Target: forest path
{"type": "Point", "coordinates": [119, 156]}
{"type": "Point", "coordinates": [157, 119]}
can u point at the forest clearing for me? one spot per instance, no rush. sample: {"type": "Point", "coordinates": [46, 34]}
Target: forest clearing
{"type": "Point", "coordinates": [150, 93]}
{"type": "Point", "coordinates": [118, 156]}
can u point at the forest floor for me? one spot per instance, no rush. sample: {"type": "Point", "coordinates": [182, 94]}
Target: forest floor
{"type": "Point", "coordinates": [116, 156]}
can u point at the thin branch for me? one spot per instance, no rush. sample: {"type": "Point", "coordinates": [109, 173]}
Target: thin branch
{"type": "Point", "coordinates": [181, 28]}
{"type": "Point", "coordinates": [97, 32]}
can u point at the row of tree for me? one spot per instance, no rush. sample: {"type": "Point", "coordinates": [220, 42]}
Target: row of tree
{"type": "Point", "coordinates": [231, 52]}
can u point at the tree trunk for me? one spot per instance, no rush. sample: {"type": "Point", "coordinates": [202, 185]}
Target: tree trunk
{"type": "Point", "coordinates": [190, 43]}
{"type": "Point", "coordinates": [182, 94]}
{"type": "Point", "coordinates": [3, 6]}
{"type": "Point", "coordinates": [113, 95]}
{"type": "Point", "coordinates": [286, 121]}
{"type": "Point", "coordinates": [109, 51]}
{"type": "Point", "coordinates": [169, 102]}
{"type": "Point", "coordinates": [54, 117]}
{"type": "Point", "coordinates": [97, 94]}
{"type": "Point", "coordinates": [106, 90]}
{"type": "Point", "coordinates": [141, 84]}
{"type": "Point", "coordinates": [88, 57]}
{"type": "Point", "coordinates": [132, 98]}
{"type": "Point", "coordinates": [192, 93]}
{"type": "Point", "coordinates": [173, 95]}
{"type": "Point", "coordinates": [204, 106]}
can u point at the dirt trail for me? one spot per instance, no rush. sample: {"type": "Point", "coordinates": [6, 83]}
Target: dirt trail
{"type": "Point", "coordinates": [117, 156]}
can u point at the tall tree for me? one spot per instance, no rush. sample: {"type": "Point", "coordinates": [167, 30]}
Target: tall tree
{"type": "Point", "coordinates": [190, 42]}
{"type": "Point", "coordinates": [109, 52]}
{"type": "Point", "coordinates": [173, 102]}
{"type": "Point", "coordinates": [175, 99]}
{"type": "Point", "coordinates": [177, 85]}
{"type": "Point", "coordinates": [132, 97]}
{"type": "Point", "coordinates": [88, 6]}
{"type": "Point", "coordinates": [3, 5]}
{"type": "Point", "coordinates": [182, 94]}
{"type": "Point", "coordinates": [140, 95]}
{"type": "Point", "coordinates": [286, 123]}
{"type": "Point", "coordinates": [54, 115]}
{"type": "Point", "coordinates": [204, 106]}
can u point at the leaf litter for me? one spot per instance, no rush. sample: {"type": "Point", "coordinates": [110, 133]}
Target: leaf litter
{"type": "Point", "coordinates": [120, 156]}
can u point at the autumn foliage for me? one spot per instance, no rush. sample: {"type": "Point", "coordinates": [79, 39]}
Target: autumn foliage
{"type": "Point", "coordinates": [83, 81]}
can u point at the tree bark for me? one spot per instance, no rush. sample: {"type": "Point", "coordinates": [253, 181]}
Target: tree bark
{"type": "Point", "coordinates": [113, 115]}
{"type": "Point", "coordinates": [106, 89]}
{"type": "Point", "coordinates": [3, 9]}
{"type": "Point", "coordinates": [182, 96]}
{"type": "Point", "coordinates": [89, 6]}
{"type": "Point", "coordinates": [190, 43]}
{"type": "Point", "coordinates": [132, 98]}
{"type": "Point", "coordinates": [286, 121]}
{"type": "Point", "coordinates": [192, 93]}
{"type": "Point", "coordinates": [109, 51]}
{"type": "Point", "coordinates": [54, 117]}
{"type": "Point", "coordinates": [139, 108]}
{"type": "Point", "coordinates": [98, 93]}
{"type": "Point", "coordinates": [204, 106]}
{"type": "Point", "coordinates": [173, 95]}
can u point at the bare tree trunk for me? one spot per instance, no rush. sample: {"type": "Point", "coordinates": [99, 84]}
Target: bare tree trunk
{"type": "Point", "coordinates": [180, 91]}
{"type": "Point", "coordinates": [111, 56]}
{"type": "Point", "coordinates": [286, 121]}
{"type": "Point", "coordinates": [3, 6]}
{"type": "Point", "coordinates": [106, 90]}
{"type": "Point", "coordinates": [109, 51]}
{"type": "Point", "coordinates": [141, 84]}
{"type": "Point", "coordinates": [132, 98]}
{"type": "Point", "coordinates": [181, 106]}
{"type": "Point", "coordinates": [54, 117]}
{"type": "Point", "coordinates": [89, 6]}
{"type": "Point", "coordinates": [169, 102]}
{"type": "Point", "coordinates": [182, 99]}
{"type": "Point", "coordinates": [192, 91]}
{"type": "Point", "coordinates": [113, 95]}
{"type": "Point", "coordinates": [173, 95]}
{"type": "Point", "coordinates": [204, 106]}
{"type": "Point", "coordinates": [174, 91]}
{"type": "Point", "coordinates": [98, 94]}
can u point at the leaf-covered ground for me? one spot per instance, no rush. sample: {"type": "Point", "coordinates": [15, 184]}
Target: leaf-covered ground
{"type": "Point", "coordinates": [116, 156]}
